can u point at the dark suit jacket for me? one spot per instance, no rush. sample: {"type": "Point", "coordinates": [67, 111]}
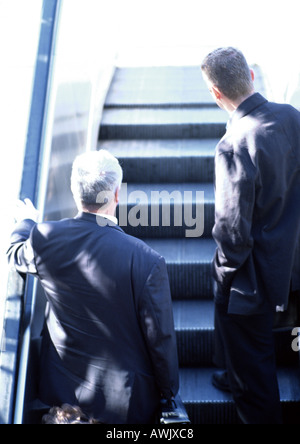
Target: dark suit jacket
{"type": "Point", "coordinates": [109, 345]}
{"type": "Point", "coordinates": [257, 223]}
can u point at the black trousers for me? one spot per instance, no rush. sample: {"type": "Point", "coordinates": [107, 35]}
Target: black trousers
{"type": "Point", "coordinates": [245, 347]}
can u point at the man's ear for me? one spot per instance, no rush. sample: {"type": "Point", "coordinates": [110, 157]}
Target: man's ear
{"type": "Point", "coordinates": [252, 74]}
{"type": "Point", "coordinates": [216, 92]}
{"type": "Point", "coordinates": [117, 195]}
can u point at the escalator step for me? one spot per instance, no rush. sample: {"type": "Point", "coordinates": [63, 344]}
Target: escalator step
{"type": "Point", "coordinates": [189, 265]}
{"type": "Point", "coordinates": [185, 160]}
{"type": "Point", "coordinates": [154, 86]}
{"type": "Point", "coordinates": [194, 325]}
{"type": "Point", "coordinates": [207, 405]}
{"type": "Point", "coordinates": [167, 210]}
{"type": "Point", "coordinates": [160, 123]}
{"type": "Point", "coordinates": [164, 85]}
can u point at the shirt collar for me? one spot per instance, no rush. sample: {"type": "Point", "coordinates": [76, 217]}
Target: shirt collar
{"type": "Point", "coordinates": [108, 216]}
{"type": "Point", "coordinates": [247, 107]}
{"type": "Point", "coordinates": [101, 219]}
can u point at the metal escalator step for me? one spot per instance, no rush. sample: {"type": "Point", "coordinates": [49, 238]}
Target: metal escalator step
{"type": "Point", "coordinates": [193, 315]}
{"type": "Point", "coordinates": [158, 86]}
{"type": "Point", "coordinates": [289, 383]}
{"type": "Point", "coordinates": [167, 210]}
{"type": "Point", "coordinates": [162, 123]}
{"type": "Point", "coordinates": [166, 85]}
{"type": "Point", "coordinates": [186, 160]}
{"type": "Point", "coordinates": [194, 325]}
{"type": "Point", "coordinates": [289, 386]}
{"type": "Point", "coordinates": [207, 405]}
{"type": "Point", "coordinates": [189, 265]}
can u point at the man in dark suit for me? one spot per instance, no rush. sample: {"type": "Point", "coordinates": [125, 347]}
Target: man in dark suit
{"type": "Point", "coordinates": [257, 226]}
{"type": "Point", "coordinates": [109, 344]}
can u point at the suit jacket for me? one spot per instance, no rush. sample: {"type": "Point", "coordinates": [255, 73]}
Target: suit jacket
{"type": "Point", "coordinates": [257, 220]}
{"type": "Point", "coordinates": [109, 345]}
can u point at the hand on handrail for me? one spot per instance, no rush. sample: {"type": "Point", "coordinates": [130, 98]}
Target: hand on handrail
{"type": "Point", "coordinates": [26, 210]}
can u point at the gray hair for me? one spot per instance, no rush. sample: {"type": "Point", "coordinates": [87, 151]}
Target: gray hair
{"type": "Point", "coordinates": [94, 174]}
{"type": "Point", "coordinates": [228, 70]}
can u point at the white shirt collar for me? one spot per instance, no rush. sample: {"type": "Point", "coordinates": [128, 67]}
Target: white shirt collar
{"type": "Point", "coordinates": [108, 216]}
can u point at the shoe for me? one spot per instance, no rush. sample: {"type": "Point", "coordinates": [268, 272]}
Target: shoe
{"type": "Point", "coordinates": [220, 381]}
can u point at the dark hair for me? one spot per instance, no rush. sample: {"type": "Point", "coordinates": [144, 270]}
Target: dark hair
{"type": "Point", "coordinates": [228, 70]}
{"type": "Point", "coordinates": [67, 414]}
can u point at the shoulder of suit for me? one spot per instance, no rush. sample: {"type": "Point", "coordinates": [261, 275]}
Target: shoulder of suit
{"type": "Point", "coordinates": [49, 228]}
{"type": "Point", "coordinates": [140, 246]}
{"type": "Point", "coordinates": [134, 245]}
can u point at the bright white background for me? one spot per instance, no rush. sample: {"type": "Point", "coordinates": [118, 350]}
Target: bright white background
{"type": "Point", "coordinates": [19, 33]}
{"type": "Point", "coordinates": [183, 31]}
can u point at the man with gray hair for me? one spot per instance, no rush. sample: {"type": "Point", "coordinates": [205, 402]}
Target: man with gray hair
{"type": "Point", "coordinates": [109, 344]}
{"type": "Point", "coordinates": [95, 182]}
{"type": "Point", "coordinates": [257, 226]}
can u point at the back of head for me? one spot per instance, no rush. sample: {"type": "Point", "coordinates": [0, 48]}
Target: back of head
{"type": "Point", "coordinates": [95, 174]}
{"type": "Point", "coordinates": [228, 70]}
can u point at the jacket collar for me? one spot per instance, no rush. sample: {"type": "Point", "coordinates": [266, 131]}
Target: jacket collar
{"type": "Point", "coordinates": [99, 220]}
{"type": "Point", "coordinates": [247, 107]}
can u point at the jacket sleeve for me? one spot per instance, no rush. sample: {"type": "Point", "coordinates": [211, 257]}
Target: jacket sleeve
{"type": "Point", "coordinates": [156, 319]}
{"type": "Point", "coordinates": [234, 205]}
{"type": "Point", "coordinates": [20, 254]}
